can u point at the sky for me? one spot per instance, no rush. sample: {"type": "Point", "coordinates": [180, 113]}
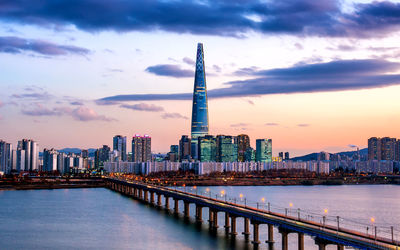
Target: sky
{"type": "Point", "coordinates": [311, 75]}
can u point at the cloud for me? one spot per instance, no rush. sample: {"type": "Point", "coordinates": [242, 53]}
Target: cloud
{"type": "Point", "coordinates": [271, 124]}
{"type": "Point", "coordinates": [169, 70]}
{"type": "Point", "coordinates": [188, 61]}
{"type": "Point", "coordinates": [250, 102]}
{"type": "Point", "coordinates": [352, 146]}
{"type": "Point", "coordinates": [337, 75]}
{"type": "Point", "coordinates": [81, 113]}
{"type": "Point", "coordinates": [87, 114]}
{"type": "Point", "coordinates": [220, 18]}
{"type": "Point", "coordinates": [239, 125]}
{"type": "Point", "coordinates": [34, 95]}
{"type": "Point", "coordinates": [41, 110]}
{"type": "Point", "coordinates": [143, 107]}
{"type": "Point", "coordinates": [76, 103]}
{"type": "Point", "coordinates": [217, 68]}
{"type": "Point", "coordinates": [16, 45]}
{"type": "Point", "coordinates": [173, 116]}
{"type": "Point", "coordinates": [303, 125]}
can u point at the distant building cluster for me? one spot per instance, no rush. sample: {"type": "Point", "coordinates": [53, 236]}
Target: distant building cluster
{"type": "Point", "coordinates": [63, 163]}
{"type": "Point", "coordinates": [202, 168]}
{"type": "Point", "coordinates": [386, 149]}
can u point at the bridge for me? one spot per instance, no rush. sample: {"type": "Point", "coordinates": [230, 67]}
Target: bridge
{"type": "Point", "coordinates": [322, 233]}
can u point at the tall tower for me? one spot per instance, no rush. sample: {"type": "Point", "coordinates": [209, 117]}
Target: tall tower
{"type": "Point", "coordinates": [200, 104]}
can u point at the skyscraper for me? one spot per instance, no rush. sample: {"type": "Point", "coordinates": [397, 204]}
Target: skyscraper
{"type": "Point", "coordinates": [31, 154]}
{"type": "Point", "coordinates": [200, 104]}
{"type": "Point", "coordinates": [185, 148]}
{"type": "Point", "coordinates": [207, 148]}
{"type": "Point", "coordinates": [243, 142]}
{"type": "Point", "coordinates": [225, 149]}
{"type": "Point", "coordinates": [141, 148]}
{"type": "Point", "coordinates": [263, 150]}
{"type": "Point", "coordinates": [119, 144]}
{"type": "Point", "coordinates": [5, 157]}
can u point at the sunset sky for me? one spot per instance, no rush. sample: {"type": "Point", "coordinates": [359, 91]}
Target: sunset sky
{"type": "Point", "coordinates": [311, 75]}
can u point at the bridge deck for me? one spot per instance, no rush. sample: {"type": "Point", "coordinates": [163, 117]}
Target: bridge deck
{"type": "Point", "coordinates": [329, 233]}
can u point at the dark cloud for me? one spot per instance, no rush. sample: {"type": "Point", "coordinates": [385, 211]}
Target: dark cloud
{"type": "Point", "coordinates": [143, 107]}
{"type": "Point", "coordinates": [271, 124]}
{"type": "Point", "coordinates": [220, 17]}
{"type": "Point", "coordinates": [319, 77]}
{"type": "Point", "coordinates": [170, 70]}
{"type": "Point", "coordinates": [16, 45]}
{"type": "Point", "coordinates": [173, 116]}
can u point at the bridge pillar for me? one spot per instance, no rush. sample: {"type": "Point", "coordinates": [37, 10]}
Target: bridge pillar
{"type": "Point", "coordinates": [135, 192]}
{"type": "Point", "coordinates": [210, 216]}
{"type": "Point", "coordinates": [321, 243]}
{"type": "Point", "coordinates": [146, 197]}
{"type": "Point", "coordinates": [256, 239]}
{"type": "Point", "coordinates": [152, 198]}
{"type": "Point", "coordinates": [176, 206]}
{"type": "Point", "coordinates": [166, 202]}
{"type": "Point", "coordinates": [340, 247]}
{"type": "Point", "coordinates": [233, 226]}
{"type": "Point", "coordinates": [140, 194]}
{"type": "Point", "coordinates": [215, 220]}
{"type": "Point", "coordinates": [301, 241]}
{"type": "Point", "coordinates": [199, 211]}
{"type": "Point", "coordinates": [246, 232]}
{"type": "Point", "coordinates": [186, 210]}
{"type": "Point", "coordinates": [227, 226]}
{"type": "Point", "coordinates": [284, 234]}
{"type": "Point", "coordinates": [159, 200]}
{"type": "Point", "coordinates": [270, 240]}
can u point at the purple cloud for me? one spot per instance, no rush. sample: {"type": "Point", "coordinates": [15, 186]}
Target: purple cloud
{"type": "Point", "coordinates": [189, 61]}
{"type": "Point", "coordinates": [87, 114]}
{"type": "Point", "coordinates": [16, 45]}
{"type": "Point", "coordinates": [318, 77]}
{"type": "Point", "coordinates": [271, 124]}
{"type": "Point", "coordinates": [239, 125]}
{"type": "Point", "coordinates": [143, 107]}
{"type": "Point", "coordinates": [303, 125]}
{"type": "Point", "coordinates": [174, 116]}
{"type": "Point", "coordinates": [170, 70]}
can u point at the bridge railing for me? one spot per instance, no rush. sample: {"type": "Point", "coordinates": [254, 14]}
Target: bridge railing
{"type": "Point", "coordinates": [371, 230]}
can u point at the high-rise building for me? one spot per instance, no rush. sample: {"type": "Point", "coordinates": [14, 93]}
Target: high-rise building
{"type": "Point", "coordinates": [200, 103]}
{"type": "Point", "coordinates": [374, 148]}
{"type": "Point", "coordinates": [207, 148]}
{"type": "Point", "coordinates": [61, 163]}
{"type": "Point", "coordinates": [5, 157]}
{"type": "Point", "coordinates": [119, 144]}
{"type": "Point", "coordinates": [50, 160]}
{"type": "Point", "coordinates": [141, 148]}
{"type": "Point", "coordinates": [101, 156]}
{"type": "Point", "coordinates": [287, 156]}
{"type": "Point", "coordinates": [250, 154]}
{"type": "Point", "coordinates": [385, 148]}
{"type": "Point", "coordinates": [185, 148]}
{"type": "Point", "coordinates": [243, 142]}
{"type": "Point", "coordinates": [225, 148]}
{"type": "Point", "coordinates": [31, 154]}
{"type": "Point", "coordinates": [388, 148]}
{"type": "Point", "coordinates": [263, 150]}
{"type": "Point", "coordinates": [280, 155]}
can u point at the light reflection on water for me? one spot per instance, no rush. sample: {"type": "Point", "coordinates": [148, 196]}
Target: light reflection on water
{"type": "Point", "coordinates": [103, 219]}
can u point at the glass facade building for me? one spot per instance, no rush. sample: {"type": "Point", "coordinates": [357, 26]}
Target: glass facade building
{"type": "Point", "coordinates": [200, 105]}
{"type": "Point", "coordinates": [119, 144]}
{"type": "Point", "coordinates": [243, 142]}
{"type": "Point", "coordinates": [263, 150]}
{"type": "Point", "coordinates": [207, 148]}
{"type": "Point", "coordinates": [225, 149]}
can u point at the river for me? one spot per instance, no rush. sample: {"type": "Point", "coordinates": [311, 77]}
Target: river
{"type": "Point", "coordinates": [98, 218]}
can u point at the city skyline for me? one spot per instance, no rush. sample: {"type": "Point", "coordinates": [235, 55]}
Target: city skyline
{"type": "Point", "coordinates": [308, 85]}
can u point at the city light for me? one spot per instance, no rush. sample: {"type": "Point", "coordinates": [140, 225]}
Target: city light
{"type": "Point", "coordinates": [290, 204]}
{"type": "Point", "coordinates": [241, 195]}
{"type": "Point", "coordinates": [325, 211]}
{"type": "Point", "coordinates": [372, 219]}
{"type": "Point", "coordinates": [263, 199]}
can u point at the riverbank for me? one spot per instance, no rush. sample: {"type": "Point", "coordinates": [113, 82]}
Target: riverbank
{"type": "Point", "coordinates": [50, 184]}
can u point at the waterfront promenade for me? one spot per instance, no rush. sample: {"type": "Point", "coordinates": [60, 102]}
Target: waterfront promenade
{"type": "Point", "coordinates": [324, 234]}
